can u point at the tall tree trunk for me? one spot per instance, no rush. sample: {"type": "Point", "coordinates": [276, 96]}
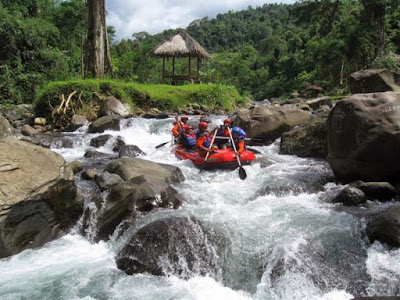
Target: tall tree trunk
{"type": "Point", "coordinates": [98, 50]}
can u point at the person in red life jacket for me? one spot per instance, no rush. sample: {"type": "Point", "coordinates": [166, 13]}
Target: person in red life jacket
{"type": "Point", "coordinates": [223, 131]}
{"type": "Point", "coordinates": [179, 128]}
{"type": "Point", "coordinates": [190, 141]}
{"type": "Point", "coordinates": [203, 141]}
{"type": "Point", "coordinates": [238, 135]}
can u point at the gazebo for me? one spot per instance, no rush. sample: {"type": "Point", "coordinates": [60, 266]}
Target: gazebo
{"type": "Point", "coordinates": [178, 46]}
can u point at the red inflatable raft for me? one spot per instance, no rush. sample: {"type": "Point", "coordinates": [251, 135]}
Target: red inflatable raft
{"type": "Point", "coordinates": [221, 158]}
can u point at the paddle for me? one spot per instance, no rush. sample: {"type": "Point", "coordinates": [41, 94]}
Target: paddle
{"type": "Point", "coordinates": [163, 144]}
{"type": "Point", "coordinates": [208, 153]}
{"type": "Point", "coordinates": [242, 171]}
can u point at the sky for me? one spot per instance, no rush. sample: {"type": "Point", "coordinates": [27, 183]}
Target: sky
{"type": "Point", "coordinates": [154, 16]}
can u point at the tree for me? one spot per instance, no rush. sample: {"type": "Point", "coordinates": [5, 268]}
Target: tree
{"type": "Point", "coordinates": [98, 59]}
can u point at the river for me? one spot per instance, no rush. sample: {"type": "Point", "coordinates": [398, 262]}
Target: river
{"type": "Point", "coordinates": [279, 239]}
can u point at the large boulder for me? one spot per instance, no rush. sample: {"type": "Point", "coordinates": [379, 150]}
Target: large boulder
{"type": "Point", "coordinates": [269, 123]}
{"type": "Point", "coordinates": [385, 227]}
{"type": "Point", "coordinates": [374, 80]}
{"type": "Point", "coordinates": [145, 186]}
{"type": "Point", "coordinates": [112, 106]}
{"type": "Point", "coordinates": [130, 151]}
{"type": "Point", "coordinates": [39, 200]}
{"type": "Point", "coordinates": [5, 127]}
{"type": "Point", "coordinates": [170, 246]}
{"type": "Point", "coordinates": [307, 140]}
{"type": "Point", "coordinates": [105, 123]}
{"type": "Point", "coordinates": [364, 137]}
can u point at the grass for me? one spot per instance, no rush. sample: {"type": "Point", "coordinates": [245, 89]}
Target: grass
{"type": "Point", "coordinates": [165, 97]}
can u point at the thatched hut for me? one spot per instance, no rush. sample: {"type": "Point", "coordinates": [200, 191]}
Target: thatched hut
{"type": "Point", "coordinates": [178, 46]}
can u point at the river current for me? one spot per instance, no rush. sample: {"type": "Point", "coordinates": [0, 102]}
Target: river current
{"type": "Point", "coordinates": [279, 239]}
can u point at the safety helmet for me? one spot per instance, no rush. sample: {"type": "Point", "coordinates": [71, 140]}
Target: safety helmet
{"type": "Point", "coordinates": [238, 131]}
{"type": "Point", "coordinates": [228, 121]}
{"type": "Point", "coordinates": [184, 118]}
{"type": "Point", "coordinates": [203, 125]}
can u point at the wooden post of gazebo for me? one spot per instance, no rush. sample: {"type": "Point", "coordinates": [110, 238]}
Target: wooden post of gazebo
{"type": "Point", "coordinates": [181, 45]}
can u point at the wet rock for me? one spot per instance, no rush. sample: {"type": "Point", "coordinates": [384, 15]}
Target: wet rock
{"type": "Point", "coordinates": [119, 143]}
{"type": "Point", "coordinates": [269, 123]}
{"type": "Point", "coordinates": [145, 186]}
{"type": "Point", "coordinates": [39, 200]}
{"type": "Point", "coordinates": [364, 137]}
{"type": "Point", "coordinates": [130, 151]}
{"type": "Point", "coordinates": [77, 121]}
{"type": "Point", "coordinates": [76, 166]}
{"type": "Point", "coordinates": [170, 246]}
{"type": "Point", "coordinates": [385, 227]}
{"type": "Point", "coordinates": [105, 123]}
{"type": "Point", "coordinates": [98, 155]}
{"type": "Point", "coordinates": [100, 140]}
{"type": "Point", "coordinates": [128, 168]}
{"type": "Point", "coordinates": [307, 140]}
{"type": "Point", "coordinates": [45, 143]}
{"type": "Point", "coordinates": [374, 80]}
{"type": "Point", "coordinates": [318, 102]}
{"type": "Point", "coordinates": [108, 180]}
{"type": "Point", "coordinates": [28, 130]}
{"type": "Point", "coordinates": [89, 174]}
{"type": "Point", "coordinates": [349, 196]}
{"type": "Point", "coordinates": [322, 109]}
{"type": "Point", "coordinates": [5, 127]}
{"type": "Point", "coordinates": [383, 191]}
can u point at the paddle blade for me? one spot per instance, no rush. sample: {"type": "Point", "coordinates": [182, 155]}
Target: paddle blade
{"type": "Point", "coordinates": [161, 145]}
{"type": "Point", "coordinates": [242, 173]}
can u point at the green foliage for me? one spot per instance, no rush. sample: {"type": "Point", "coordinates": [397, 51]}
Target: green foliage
{"type": "Point", "coordinates": [165, 97]}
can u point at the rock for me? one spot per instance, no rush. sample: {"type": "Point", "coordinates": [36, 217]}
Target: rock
{"type": "Point", "coordinates": [305, 107]}
{"type": "Point", "coordinates": [45, 143]}
{"type": "Point", "coordinates": [108, 180]}
{"type": "Point", "coordinates": [313, 90]}
{"type": "Point", "coordinates": [364, 137]}
{"type": "Point", "coordinates": [307, 140]}
{"type": "Point", "coordinates": [318, 102]}
{"type": "Point", "coordinates": [294, 101]}
{"type": "Point", "coordinates": [112, 106]}
{"type": "Point", "coordinates": [119, 143]}
{"type": "Point", "coordinates": [130, 151]}
{"type": "Point", "coordinates": [377, 298]}
{"type": "Point", "coordinates": [376, 190]}
{"type": "Point", "coordinates": [170, 246]}
{"type": "Point", "coordinates": [128, 168]}
{"type": "Point", "coordinates": [349, 196]}
{"type": "Point", "coordinates": [145, 186]}
{"type": "Point", "coordinates": [105, 123]}
{"type": "Point", "coordinates": [89, 174]}
{"type": "Point", "coordinates": [98, 155]}
{"type": "Point", "coordinates": [264, 102]}
{"type": "Point", "coordinates": [269, 123]}
{"type": "Point", "coordinates": [321, 109]}
{"type": "Point", "coordinates": [76, 166]}
{"type": "Point", "coordinates": [5, 127]}
{"type": "Point", "coordinates": [77, 121]}
{"type": "Point", "coordinates": [373, 81]}
{"type": "Point", "coordinates": [385, 227]}
{"type": "Point", "coordinates": [28, 130]}
{"type": "Point", "coordinates": [100, 140]}
{"type": "Point", "coordinates": [39, 200]}
{"type": "Point", "coordinates": [19, 112]}
{"type": "Point", "coordinates": [40, 121]}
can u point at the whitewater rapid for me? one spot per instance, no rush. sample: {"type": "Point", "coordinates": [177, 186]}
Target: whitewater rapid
{"type": "Point", "coordinates": [279, 239]}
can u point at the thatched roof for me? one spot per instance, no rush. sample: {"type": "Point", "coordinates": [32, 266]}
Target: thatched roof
{"type": "Point", "coordinates": [180, 45]}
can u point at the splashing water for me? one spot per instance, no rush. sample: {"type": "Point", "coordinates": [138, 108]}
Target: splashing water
{"type": "Point", "coordinates": [274, 236]}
